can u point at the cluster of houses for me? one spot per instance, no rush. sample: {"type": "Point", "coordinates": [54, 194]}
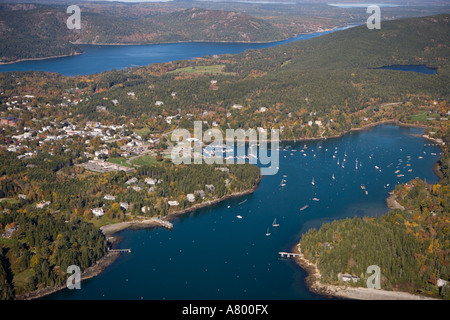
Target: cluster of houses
{"type": "Point", "coordinates": [59, 131]}
{"type": "Point", "coordinates": [136, 185]}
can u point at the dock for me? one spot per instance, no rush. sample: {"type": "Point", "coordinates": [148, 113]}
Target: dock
{"type": "Point", "coordinates": [120, 250]}
{"type": "Point", "coordinates": [165, 224]}
{"type": "Point", "coordinates": [289, 254]}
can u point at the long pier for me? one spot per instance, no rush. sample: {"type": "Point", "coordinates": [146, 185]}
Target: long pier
{"type": "Point", "coordinates": [289, 254]}
{"type": "Point", "coordinates": [119, 250]}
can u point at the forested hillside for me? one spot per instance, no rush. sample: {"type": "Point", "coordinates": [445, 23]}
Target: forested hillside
{"type": "Point", "coordinates": [328, 79]}
{"type": "Point", "coordinates": [45, 32]}
{"type": "Point", "coordinates": [45, 240]}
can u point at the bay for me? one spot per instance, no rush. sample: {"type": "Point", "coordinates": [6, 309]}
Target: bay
{"type": "Point", "coordinates": [99, 58]}
{"type": "Point", "coordinates": [211, 254]}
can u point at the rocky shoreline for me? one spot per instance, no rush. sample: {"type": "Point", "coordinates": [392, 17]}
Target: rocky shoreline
{"type": "Point", "coordinates": [346, 292]}
{"type": "Point", "coordinates": [90, 272]}
{"type": "Point", "coordinates": [110, 232]}
{"type": "Point", "coordinates": [354, 293]}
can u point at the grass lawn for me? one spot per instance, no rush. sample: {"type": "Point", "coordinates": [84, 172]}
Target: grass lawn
{"type": "Point", "coordinates": [103, 221]}
{"type": "Point", "coordinates": [145, 160]}
{"type": "Point", "coordinates": [423, 116]}
{"type": "Point", "coordinates": [142, 132]}
{"type": "Point", "coordinates": [5, 242]}
{"type": "Point", "coordinates": [10, 200]}
{"type": "Point", "coordinates": [214, 69]}
{"type": "Point", "coordinates": [121, 161]}
{"type": "Point", "coordinates": [22, 278]}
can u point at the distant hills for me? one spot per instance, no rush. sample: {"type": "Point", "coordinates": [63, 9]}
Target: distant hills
{"type": "Point", "coordinates": [31, 31]}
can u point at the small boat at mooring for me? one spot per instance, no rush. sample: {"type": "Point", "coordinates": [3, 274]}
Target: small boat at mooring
{"type": "Point", "coordinates": [274, 223]}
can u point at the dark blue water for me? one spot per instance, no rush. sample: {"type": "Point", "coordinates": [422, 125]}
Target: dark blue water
{"type": "Point", "coordinates": [411, 68]}
{"type": "Point", "coordinates": [211, 254]}
{"type": "Point", "coordinates": [103, 58]}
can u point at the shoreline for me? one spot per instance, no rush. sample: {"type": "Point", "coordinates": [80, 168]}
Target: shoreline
{"type": "Point", "coordinates": [211, 41]}
{"type": "Point", "coordinates": [110, 231]}
{"type": "Point", "coordinates": [90, 272]}
{"type": "Point", "coordinates": [43, 58]}
{"type": "Point", "coordinates": [340, 135]}
{"type": "Point", "coordinates": [171, 42]}
{"type": "Point", "coordinates": [346, 292]}
{"type": "Point", "coordinates": [362, 128]}
{"type": "Point", "coordinates": [312, 279]}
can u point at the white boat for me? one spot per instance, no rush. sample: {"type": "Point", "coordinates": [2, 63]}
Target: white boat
{"type": "Point", "coordinates": [316, 199]}
{"type": "Point", "coordinates": [274, 223]}
{"type": "Point", "coordinates": [313, 182]}
{"type": "Point", "coordinates": [267, 233]}
{"type": "Point", "coordinates": [333, 176]}
{"type": "Point", "coordinates": [239, 216]}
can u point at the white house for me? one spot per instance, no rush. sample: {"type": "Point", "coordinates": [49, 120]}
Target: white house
{"type": "Point", "coordinates": [132, 180]}
{"type": "Point", "coordinates": [136, 188]}
{"type": "Point", "coordinates": [441, 283]}
{"type": "Point", "coordinates": [145, 209]}
{"type": "Point", "coordinates": [190, 197]}
{"type": "Point", "coordinates": [173, 203]}
{"type": "Point", "coordinates": [109, 197]}
{"type": "Point", "coordinates": [98, 212]}
{"type": "Point", "coordinates": [42, 204]}
{"type": "Point", "coordinates": [237, 106]}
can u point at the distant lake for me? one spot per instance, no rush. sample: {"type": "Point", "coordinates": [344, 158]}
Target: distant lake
{"type": "Point", "coordinates": [98, 58]}
{"type": "Point", "coordinates": [411, 68]}
{"type": "Point", "coordinates": [212, 254]}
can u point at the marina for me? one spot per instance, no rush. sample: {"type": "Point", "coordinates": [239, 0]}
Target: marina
{"type": "Point", "coordinates": [243, 260]}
